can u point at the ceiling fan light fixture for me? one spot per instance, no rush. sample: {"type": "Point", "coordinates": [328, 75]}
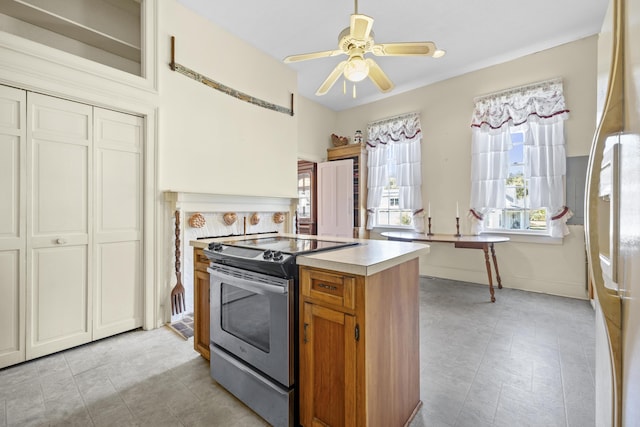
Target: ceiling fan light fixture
{"type": "Point", "coordinates": [357, 40]}
{"type": "Point", "coordinates": [356, 69]}
{"type": "Point", "coordinates": [439, 53]}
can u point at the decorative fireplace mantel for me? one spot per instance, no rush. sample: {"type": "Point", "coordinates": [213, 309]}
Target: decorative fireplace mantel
{"type": "Point", "coordinates": [212, 215]}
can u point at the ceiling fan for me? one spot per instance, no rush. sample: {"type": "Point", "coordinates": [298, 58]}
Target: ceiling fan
{"type": "Point", "coordinates": [355, 41]}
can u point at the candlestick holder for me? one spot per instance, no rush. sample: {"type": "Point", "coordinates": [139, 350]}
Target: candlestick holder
{"type": "Point", "coordinates": [457, 227]}
{"type": "Point", "coordinates": [429, 233]}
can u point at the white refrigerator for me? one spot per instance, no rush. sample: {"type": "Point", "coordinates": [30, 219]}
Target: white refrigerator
{"type": "Point", "coordinates": [612, 224]}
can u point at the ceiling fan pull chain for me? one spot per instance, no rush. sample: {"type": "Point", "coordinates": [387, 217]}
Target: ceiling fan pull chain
{"type": "Point", "coordinates": [354, 90]}
{"type": "Point", "coordinates": [344, 86]}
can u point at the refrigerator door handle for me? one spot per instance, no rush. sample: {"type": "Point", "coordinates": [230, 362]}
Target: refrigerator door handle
{"type": "Point", "coordinates": [609, 212]}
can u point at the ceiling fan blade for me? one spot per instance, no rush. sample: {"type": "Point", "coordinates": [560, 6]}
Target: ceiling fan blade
{"type": "Point", "coordinates": [378, 77]}
{"type": "Point", "coordinates": [312, 55]}
{"type": "Point", "coordinates": [361, 26]}
{"type": "Point", "coordinates": [404, 49]}
{"type": "Point", "coordinates": [333, 77]}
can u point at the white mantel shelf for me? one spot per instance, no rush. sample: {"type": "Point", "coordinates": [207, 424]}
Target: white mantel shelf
{"type": "Point", "coordinates": [194, 202]}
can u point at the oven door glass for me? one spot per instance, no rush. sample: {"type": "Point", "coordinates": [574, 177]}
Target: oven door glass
{"type": "Point", "coordinates": [252, 319]}
{"type": "Point", "coordinates": [246, 315]}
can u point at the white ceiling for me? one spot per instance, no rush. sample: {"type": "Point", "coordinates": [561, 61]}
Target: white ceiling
{"type": "Point", "coordinates": [475, 34]}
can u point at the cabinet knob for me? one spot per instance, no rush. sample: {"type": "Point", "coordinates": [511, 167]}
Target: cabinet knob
{"type": "Point", "coordinates": [60, 241]}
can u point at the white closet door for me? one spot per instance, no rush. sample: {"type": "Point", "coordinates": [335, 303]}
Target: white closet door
{"type": "Point", "coordinates": [335, 198]}
{"type": "Point", "coordinates": [58, 291]}
{"type": "Point", "coordinates": [12, 224]}
{"type": "Point", "coordinates": [118, 227]}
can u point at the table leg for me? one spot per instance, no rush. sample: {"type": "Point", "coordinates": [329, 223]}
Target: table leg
{"type": "Point", "coordinates": [485, 248]}
{"type": "Point", "coordinates": [495, 264]}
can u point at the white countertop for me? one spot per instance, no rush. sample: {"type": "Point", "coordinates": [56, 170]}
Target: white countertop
{"type": "Point", "coordinates": [367, 258]}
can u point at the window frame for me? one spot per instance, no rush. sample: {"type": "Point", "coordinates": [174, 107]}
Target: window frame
{"type": "Point", "coordinates": [390, 208]}
{"type": "Point", "coordinates": [527, 211]}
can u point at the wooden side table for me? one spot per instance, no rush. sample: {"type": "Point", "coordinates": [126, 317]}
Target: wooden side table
{"type": "Point", "coordinates": [484, 242]}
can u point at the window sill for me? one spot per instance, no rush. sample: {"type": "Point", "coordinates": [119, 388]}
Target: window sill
{"type": "Point", "coordinates": [381, 229]}
{"type": "Point", "coordinates": [523, 237]}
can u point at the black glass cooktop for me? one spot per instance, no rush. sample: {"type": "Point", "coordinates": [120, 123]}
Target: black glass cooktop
{"type": "Point", "coordinates": [269, 255]}
{"type": "Point", "coordinates": [289, 245]}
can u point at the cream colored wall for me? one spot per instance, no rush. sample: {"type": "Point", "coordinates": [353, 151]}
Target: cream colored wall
{"type": "Point", "coordinates": [315, 126]}
{"type": "Point", "coordinates": [197, 139]}
{"type": "Point", "coordinates": [445, 109]}
{"type": "Point", "coordinates": [200, 140]}
{"type": "Point", "coordinates": [211, 142]}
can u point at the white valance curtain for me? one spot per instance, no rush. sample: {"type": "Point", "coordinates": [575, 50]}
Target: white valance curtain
{"type": "Point", "coordinates": [393, 147]}
{"type": "Point", "coordinates": [539, 111]}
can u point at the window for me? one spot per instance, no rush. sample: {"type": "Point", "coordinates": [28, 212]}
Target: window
{"type": "Point", "coordinates": [518, 160]}
{"type": "Point", "coordinates": [516, 215]}
{"type": "Point", "coordinates": [304, 195]}
{"type": "Point", "coordinates": [389, 212]}
{"type": "Point", "coordinates": [394, 196]}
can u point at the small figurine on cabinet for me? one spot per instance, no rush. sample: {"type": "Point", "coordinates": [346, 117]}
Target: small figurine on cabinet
{"type": "Point", "coordinates": [357, 138]}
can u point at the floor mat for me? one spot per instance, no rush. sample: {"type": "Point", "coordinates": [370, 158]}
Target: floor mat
{"type": "Point", "coordinates": [184, 326]}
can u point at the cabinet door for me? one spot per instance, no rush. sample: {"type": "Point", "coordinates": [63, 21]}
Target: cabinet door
{"type": "Point", "coordinates": [201, 325]}
{"type": "Point", "coordinates": [12, 224]}
{"type": "Point", "coordinates": [118, 222]}
{"type": "Point", "coordinates": [327, 368]}
{"type": "Point", "coordinates": [58, 292]}
{"type": "Point", "coordinates": [335, 198]}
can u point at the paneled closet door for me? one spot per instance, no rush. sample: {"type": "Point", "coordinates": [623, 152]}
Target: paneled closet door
{"type": "Point", "coordinates": [12, 225]}
{"type": "Point", "coordinates": [59, 295]}
{"type": "Point", "coordinates": [118, 154]}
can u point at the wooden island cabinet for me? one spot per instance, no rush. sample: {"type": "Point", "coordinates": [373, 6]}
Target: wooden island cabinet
{"type": "Point", "coordinates": [359, 340]}
{"type": "Point", "coordinates": [359, 347]}
{"type": "Point", "coordinates": [201, 303]}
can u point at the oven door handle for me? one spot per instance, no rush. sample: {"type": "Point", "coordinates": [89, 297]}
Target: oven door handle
{"type": "Point", "coordinates": [246, 284]}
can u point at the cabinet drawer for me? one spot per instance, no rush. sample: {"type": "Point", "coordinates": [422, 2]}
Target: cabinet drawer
{"type": "Point", "coordinates": [332, 288]}
{"type": "Point", "coordinates": [200, 260]}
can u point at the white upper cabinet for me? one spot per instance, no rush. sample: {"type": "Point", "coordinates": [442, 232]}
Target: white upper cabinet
{"type": "Point", "coordinates": [104, 31]}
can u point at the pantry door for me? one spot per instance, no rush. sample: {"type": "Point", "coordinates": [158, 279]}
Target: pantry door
{"type": "Point", "coordinates": [335, 198]}
{"type": "Point", "coordinates": [118, 300]}
{"type": "Point", "coordinates": [12, 224]}
{"type": "Point", "coordinates": [59, 135]}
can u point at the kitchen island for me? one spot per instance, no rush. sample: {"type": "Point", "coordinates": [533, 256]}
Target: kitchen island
{"type": "Point", "coordinates": [358, 333]}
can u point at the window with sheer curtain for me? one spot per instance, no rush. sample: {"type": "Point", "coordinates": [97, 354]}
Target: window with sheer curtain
{"type": "Point", "coordinates": [518, 164]}
{"type": "Point", "coordinates": [394, 183]}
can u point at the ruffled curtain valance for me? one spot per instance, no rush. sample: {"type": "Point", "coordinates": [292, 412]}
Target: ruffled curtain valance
{"type": "Point", "coordinates": [398, 129]}
{"type": "Point", "coordinates": [542, 101]}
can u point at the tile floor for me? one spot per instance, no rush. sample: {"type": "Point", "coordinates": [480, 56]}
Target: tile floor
{"type": "Point", "coordinates": [526, 360]}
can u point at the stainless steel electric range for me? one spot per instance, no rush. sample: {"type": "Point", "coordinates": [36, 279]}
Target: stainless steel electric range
{"type": "Point", "coordinates": [254, 320]}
